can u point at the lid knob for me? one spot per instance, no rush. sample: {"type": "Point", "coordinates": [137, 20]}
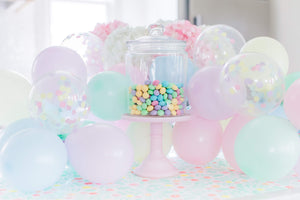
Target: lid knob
{"type": "Point", "coordinates": [156, 30]}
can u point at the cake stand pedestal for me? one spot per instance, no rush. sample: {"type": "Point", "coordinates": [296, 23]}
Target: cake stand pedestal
{"type": "Point", "coordinates": [156, 165]}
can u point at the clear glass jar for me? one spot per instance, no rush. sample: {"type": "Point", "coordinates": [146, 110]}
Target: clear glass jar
{"type": "Point", "coordinates": [157, 67]}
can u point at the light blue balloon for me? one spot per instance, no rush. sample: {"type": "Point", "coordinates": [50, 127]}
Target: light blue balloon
{"type": "Point", "coordinates": [18, 126]}
{"type": "Point", "coordinates": [164, 69]}
{"type": "Point", "coordinates": [279, 112]}
{"type": "Point", "coordinates": [33, 159]}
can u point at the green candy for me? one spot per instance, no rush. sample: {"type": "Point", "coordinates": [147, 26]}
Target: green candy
{"type": "Point", "coordinates": [181, 91]}
{"type": "Point", "coordinates": [174, 94]}
{"type": "Point", "coordinates": [144, 112]}
{"type": "Point", "coordinates": [150, 92]}
{"type": "Point", "coordinates": [133, 87]}
{"type": "Point", "coordinates": [148, 102]}
{"type": "Point", "coordinates": [170, 85]}
{"type": "Point", "coordinates": [180, 107]}
{"type": "Point", "coordinates": [151, 87]}
{"type": "Point", "coordinates": [168, 102]}
{"type": "Point", "coordinates": [139, 108]}
{"type": "Point", "coordinates": [160, 113]}
{"type": "Point", "coordinates": [165, 96]}
{"type": "Point", "coordinates": [131, 103]}
{"type": "Point", "coordinates": [144, 106]}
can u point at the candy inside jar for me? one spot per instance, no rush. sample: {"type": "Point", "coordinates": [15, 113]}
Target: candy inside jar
{"type": "Point", "coordinates": [157, 67]}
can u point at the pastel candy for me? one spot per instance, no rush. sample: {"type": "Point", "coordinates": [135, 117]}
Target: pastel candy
{"type": "Point", "coordinates": [150, 108]}
{"type": "Point", "coordinates": [154, 103]}
{"type": "Point", "coordinates": [144, 112]}
{"type": "Point", "coordinates": [174, 94]}
{"type": "Point", "coordinates": [164, 108]}
{"type": "Point", "coordinates": [139, 87]}
{"type": "Point", "coordinates": [174, 101]}
{"type": "Point", "coordinates": [138, 93]}
{"type": "Point", "coordinates": [151, 87]}
{"type": "Point", "coordinates": [163, 90]}
{"type": "Point", "coordinates": [162, 103]}
{"type": "Point", "coordinates": [170, 97]}
{"type": "Point", "coordinates": [153, 112]}
{"type": "Point", "coordinates": [147, 82]}
{"type": "Point", "coordinates": [158, 86]}
{"type": "Point", "coordinates": [142, 99]}
{"type": "Point", "coordinates": [153, 98]}
{"type": "Point", "coordinates": [145, 95]}
{"type": "Point", "coordinates": [170, 91]}
{"type": "Point", "coordinates": [139, 107]}
{"type": "Point", "coordinates": [133, 92]}
{"type": "Point", "coordinates": [156, 92]}
{"type": "Point", "coordinates": [134, 99]}
{"type": "Point", "coordinates": [174, 87]}
{"type": "Point", "coordinates": [168, 112]}
{"type": "Point", "coordinates": [156, 82]}
{"type": "Point", "coordinates": [144, 88]}
{"type": "Point", "coordinates": [148, 102]}
{"type": "Point", "coordinates": [160, 97]}
{"type": "Point", "coordinates": [144, 106]}
{"type": "Point", "coordinates": [157, 107]}
{"type": "Point", "coordinates": [165, 84]}
{"type": "Point", "coordinates": [160, 113]}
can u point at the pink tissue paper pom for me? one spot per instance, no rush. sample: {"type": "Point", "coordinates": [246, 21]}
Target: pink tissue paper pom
{"type": "Point", "coordinates": [104, 30]}
{"type": "Point", "coordinates": [186, 31]}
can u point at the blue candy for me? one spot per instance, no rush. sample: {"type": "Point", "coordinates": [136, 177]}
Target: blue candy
{"type": "Point", "coordinates": [165, 84]}
{"type": "Point", "coordinates": [170, 91]}
{"type": "Point", "coordinates": [160, 97]}
{"type": "Point", "coordinates": [162, 103]}
{"type": "Point", "coordinates": [154, 98]}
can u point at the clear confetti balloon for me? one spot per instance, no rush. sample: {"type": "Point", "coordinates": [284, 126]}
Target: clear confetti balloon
{"type": "Point", "coordinates": [216, 45]}
{"type": "Point", "coordinates": [89, 47]}
{"type": "Point", "coordinates": [256, 77]}
{"type": "Point", "coordinates": [59, 100]}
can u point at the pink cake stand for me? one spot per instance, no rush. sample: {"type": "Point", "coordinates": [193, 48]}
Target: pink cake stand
{"type": "Point", "coordinates": [156, 165]}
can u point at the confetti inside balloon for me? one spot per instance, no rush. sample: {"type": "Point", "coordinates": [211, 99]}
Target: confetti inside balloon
{"type": "Point", "coordinates": [216, 45]}
{"type": "Point", "coordinates": [59, 99]}
{"type": "Point", "coordinates": [89, 47]}
{"type": "Point", "coordinates": [258, 78]}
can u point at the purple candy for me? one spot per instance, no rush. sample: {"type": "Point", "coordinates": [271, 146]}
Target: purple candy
{"type": "Point", "coordinates": [168, 112]}
{"type": "Point", "coordinates": [142, 99]}
{"type": "Point", "coordinates": [170, 97]}
{"type": "Point", "coordinates": [157, 107]}
{"type": "Point", "coordinates": [133, 92]}
{"type": "Point", "coordinates": [156, 92]}
{"type": "Point", "coordinates": [147, 82]}
{"type": "Point", "coordinates": [153, 112]}
{"type": "Point", "coordinates": [164, 108]}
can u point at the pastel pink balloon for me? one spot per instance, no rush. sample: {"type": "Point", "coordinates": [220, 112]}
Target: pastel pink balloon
{"type": "Point", "coordinates": [291, 103]}
{"type": "Point", "coordinates": [101, 153]}
{"type": "Point", "coordinates": [197, 141]}
{"type": "Point", "coordinates": [58, 58]}
{"type": "Point", "coordinates": [229, 136]}
{"type": "Point", "coordinates": [205, 96]}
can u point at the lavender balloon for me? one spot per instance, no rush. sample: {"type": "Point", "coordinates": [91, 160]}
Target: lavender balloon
{"type": "Point", "coordinates": [206, 98]}
{"type": "Point", "coordinates": [58, 58]}
{"type": "Point", "coordinates": [100, 153]}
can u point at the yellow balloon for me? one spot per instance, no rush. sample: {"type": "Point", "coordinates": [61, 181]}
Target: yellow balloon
{"type": "Point", "coordinates": [14, 90]}
{"type": "Point", "coordinates": [139, 135]}
{"type": "Point", "coordinates": [270, 47]}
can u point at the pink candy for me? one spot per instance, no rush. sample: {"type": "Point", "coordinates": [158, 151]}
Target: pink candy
{"type": "Point", "coordinates": [156, 82]}
{"type": "Point", "coordinates": [154, 103]}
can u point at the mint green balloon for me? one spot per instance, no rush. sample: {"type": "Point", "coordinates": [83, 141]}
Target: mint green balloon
{"type": "Point", "coordinates": [107, 95]}
{"type": "Point", "coordinates": [290, 79]}
{"type": "Point", "coordinates": [267, 148]}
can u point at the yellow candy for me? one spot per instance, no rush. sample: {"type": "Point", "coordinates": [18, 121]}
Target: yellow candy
{"type": "Point", "coordinates": [138, 87]}
{"type": "Point", "coordinates": [139, 102]}
{"type": "Point", "coordinates": [132, 112]}
{"type": "Point", "coordinates": [137, 112]}
{"type": "Point", "coordinates": [162, 90]}
{"type": "Point", "coordinates": [134, 99]}
{"type": "Point", "coordinates": [138, 93]}
{"type": "Point", "coordinates": [173, 112]}
{"type": "Point", "coordinates": [174, 101]}
{"type": "Point", "coordinates": [171, 107]}
{"type": "Point", "coordinates": [176, 107]}
{"type": "Point", "coordinates": [146, 95]}
{"type": "Point", "coordinates": [158, 86]}
{"type": "Point", "coordinates": [149, 108]}
{"type": "Point", "coordinates": [174, 87]}
{"type": "Point", "coordinates": [134, 107]}
{"type": "Point", "coordinates": [144, 88]}
{"type": "Point", "coordinates": [129, 89]}
{"type": "Point", "coordinates": [181, 99]}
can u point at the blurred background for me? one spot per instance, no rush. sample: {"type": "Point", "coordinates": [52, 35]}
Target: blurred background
{"type": "Point", "coordinates": [29, 26]}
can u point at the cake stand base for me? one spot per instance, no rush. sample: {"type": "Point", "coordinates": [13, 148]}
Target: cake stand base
{"type": "Point", "coordinates": [156, 165]}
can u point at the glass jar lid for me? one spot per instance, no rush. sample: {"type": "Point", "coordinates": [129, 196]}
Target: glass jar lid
{"type": "Point", "coordinates": [156, 41]}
